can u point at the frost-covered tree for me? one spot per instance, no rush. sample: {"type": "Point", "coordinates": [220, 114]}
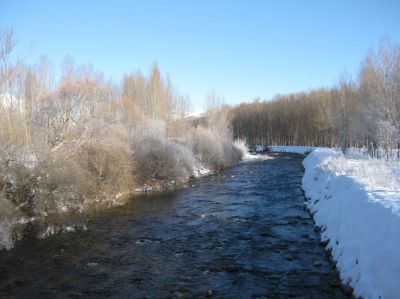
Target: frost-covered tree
{"type": "Point", "coordinates": [380, 81]}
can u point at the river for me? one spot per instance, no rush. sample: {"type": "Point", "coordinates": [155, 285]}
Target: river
{"type": "Point", "coordinates": [243, 233]}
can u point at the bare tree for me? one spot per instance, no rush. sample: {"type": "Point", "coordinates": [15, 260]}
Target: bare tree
{"type": "Point", "coordinates": [7, 44]}
{"type": "Point", "coordinates": [345, 112]}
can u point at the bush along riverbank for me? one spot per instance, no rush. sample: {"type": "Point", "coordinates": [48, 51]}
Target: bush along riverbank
{"type": "Point", "coordinates": [54, 193]}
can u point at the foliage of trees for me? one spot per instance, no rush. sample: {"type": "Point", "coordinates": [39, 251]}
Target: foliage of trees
{"type": "Point", "coordinates": [363, 112]}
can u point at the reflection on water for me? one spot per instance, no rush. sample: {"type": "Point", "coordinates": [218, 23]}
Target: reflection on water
{"type": "Point", "coordinates": [241, 234]}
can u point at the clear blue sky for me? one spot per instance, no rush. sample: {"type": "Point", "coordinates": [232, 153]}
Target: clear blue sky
{"type": "Point", "coordinates": [242, 49]}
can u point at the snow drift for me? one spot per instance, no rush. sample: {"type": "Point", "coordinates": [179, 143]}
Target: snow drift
{"type": "Point", "coordinates": [356, 203]}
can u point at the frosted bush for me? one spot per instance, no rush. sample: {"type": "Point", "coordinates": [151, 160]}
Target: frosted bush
{"type": "Point", "coordinates": [241, 146]}
{"type": "Point", "coordinates": [211, 149]}
{"type": "Point", "coordinates": [158, 159]}
{"type": "Point", "coordinates": [108, 159]}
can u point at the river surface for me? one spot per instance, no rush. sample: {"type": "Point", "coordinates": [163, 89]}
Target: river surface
{"type": "Point", "coordinates": [241, 234]}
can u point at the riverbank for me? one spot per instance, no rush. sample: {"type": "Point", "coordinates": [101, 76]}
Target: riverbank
{"type": "Point", "coordinates": [356, 204]}
{"type": "Point", "coordinates": [36, 203]}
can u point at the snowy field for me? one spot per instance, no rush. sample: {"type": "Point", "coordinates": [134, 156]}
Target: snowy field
{"type": "Point", "coordinates": [356, 203]}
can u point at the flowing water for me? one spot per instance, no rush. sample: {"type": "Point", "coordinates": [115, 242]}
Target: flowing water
{"type": "Point", "coordinates": [241, 234]}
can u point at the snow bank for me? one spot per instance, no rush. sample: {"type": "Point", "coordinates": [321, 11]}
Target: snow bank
{"type": "Point", "coordinates": [356, 202]}
{"type": "Point", "coordinates": [292, 149]}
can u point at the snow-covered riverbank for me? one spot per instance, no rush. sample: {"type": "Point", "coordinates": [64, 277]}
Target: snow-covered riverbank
{"type": "Point", "coordinates": [292, 149]}
{"type": "Point", "coordinates": [356, 202]}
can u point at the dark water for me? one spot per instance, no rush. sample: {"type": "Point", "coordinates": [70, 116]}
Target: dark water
{"type": "Point", "coordinates": [243, 234]}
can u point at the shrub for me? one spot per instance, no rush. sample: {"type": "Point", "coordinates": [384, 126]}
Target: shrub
{"type": "Point", "coordinates": [158, 159]}
{"type": "Point", "coordinates": [211, 149]}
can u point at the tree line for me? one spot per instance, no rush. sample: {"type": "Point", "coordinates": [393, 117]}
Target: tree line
{"type": "Point", "coordinates": [361, 112]}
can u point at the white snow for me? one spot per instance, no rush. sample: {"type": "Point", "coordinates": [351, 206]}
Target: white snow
{"type": "Point", "coordinates": [198, 113]}
{"type": "Point", "coordinates": [200, 170]}
{"type": "Point", "coordinates": [249, 157]}
{"type": "Point", "coordinates": [356, 202]}
{"type": "Point", "coordinates": [255, 157]}
{"type": "Point", "coordinates": [292, 149]}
